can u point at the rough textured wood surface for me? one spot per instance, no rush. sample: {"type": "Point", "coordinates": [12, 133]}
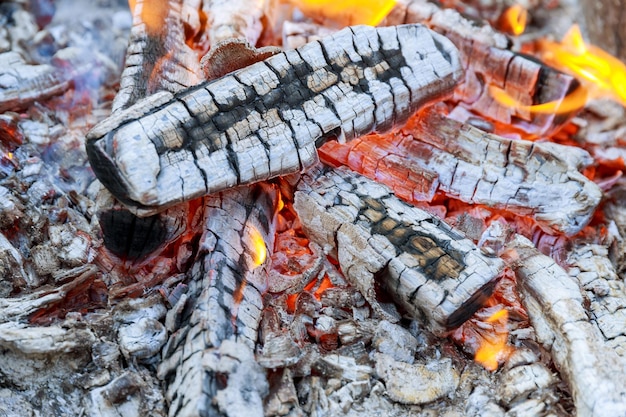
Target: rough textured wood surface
{"type": "Point", "coordinates": [219, 315]}
{"type": "Point", "coordinates": [434, 153]}
{"type": "Point", "coordinates": [265, 120]}
{"type": "Point", "coordinates": [430, 269]}
{"type": "Point", "coordinates": [554, 303]}
{"type": "Point", "coordinates": [157, 59]}
{"type": "Point", "coordinates": [488, 61]}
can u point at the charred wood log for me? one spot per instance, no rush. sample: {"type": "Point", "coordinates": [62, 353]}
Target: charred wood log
{"type": "Point", "coordinates": [555, 307]}
{"type": "Point", "coordinates": [430, 269]}
{"type": "Point", "coordinates": [489, 63]}
{"type": "Point", "coordinates": [434, 153]}
{"type": "Point", "coordinates": [223, 305]}
{"type": "Point", "coordinates": [266, 120]}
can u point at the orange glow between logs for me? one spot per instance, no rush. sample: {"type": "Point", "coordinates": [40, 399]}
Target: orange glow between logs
{"type": "Point", "coordinates": [514, 19]}
{"type": "Point", "coordinates": [494, 346]}
{"type": "Point", "coordinates": [259, 251]}
{"type": "Point", "coordinates": [347, 12]}
{"type": "Point", "coordinates": [603, 74]}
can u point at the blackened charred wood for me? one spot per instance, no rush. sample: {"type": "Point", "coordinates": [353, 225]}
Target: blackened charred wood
{"type": "Point", "coordinates": [224, 304]}
{"type": "Point", "coordinates": [489, 63]}
{"type": "Point", "coordinates": [429, 268]}
{"type": "Point", "coordinates": [266, 119]}
{"type": "Point", "coordinates": [434, 153]}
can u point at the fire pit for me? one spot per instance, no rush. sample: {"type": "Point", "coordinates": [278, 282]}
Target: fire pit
{"type": "Point", "coordinates": [308, 208]}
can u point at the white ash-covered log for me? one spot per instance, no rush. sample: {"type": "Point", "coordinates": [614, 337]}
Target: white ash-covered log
{"type": "Point", "coordinates": [431, 270]}
{"type": "Point", "coordinates": [209, 364]}
{"type": "Point", "coordinates": [433, 153]}
{"type": "Point", "coordinates": [266, 119]}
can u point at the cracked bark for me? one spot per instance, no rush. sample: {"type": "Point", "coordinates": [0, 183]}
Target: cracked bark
{"type": "Point", "coordinates": [266, 119]}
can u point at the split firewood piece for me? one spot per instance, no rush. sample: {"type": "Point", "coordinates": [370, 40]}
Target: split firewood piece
{"type": "Point", "coordinates": [224, 303]}
{"type": "Point", "coordinates": [555, 306]}
{"type": "Point", "coordinates": [238, 19]}
{"type": "Point", "coordinates": [157, 58]}
{"type": "Point", "coordinates": [266, 120]}
{"type": "Point", "coordinates": [434, 153]}
{"type": "Point", "coordinates": [429, 268]}
{"type": "Point", "coordinates": [488, 63]}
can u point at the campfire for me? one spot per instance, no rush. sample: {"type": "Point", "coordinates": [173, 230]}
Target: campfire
{"type": "Point", "coordinates": [308, 207]}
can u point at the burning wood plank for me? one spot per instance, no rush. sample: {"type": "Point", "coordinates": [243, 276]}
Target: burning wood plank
{"type": "Point", "coordinates": [266, 120]}
{"type": "Point", "coordinates": [430, 269]}
{"type": "Point", "coordinates": [157, 58]}
{"type": "Point", "coordinates": [222, 309]}
{"type": "Point", "coordinates": [555, 307]}
{"type": "Point", "coordinates": [434, 153]}
{"type": "Point", "coordinates": [489, 63]}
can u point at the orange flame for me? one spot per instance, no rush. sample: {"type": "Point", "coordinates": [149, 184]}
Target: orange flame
{"type": "Point", "coordinates": [494, 348]}
{"type": "Point", "coordinates": [603, 74]}
{"type": "Point", "coordinates": [259, 251]}
{"type": "Point", "coordinates": [576, 100]}
{"type": "Point", "coordinates": [347, 12]}
{"type": "Point", "coordinates": [514, 19]}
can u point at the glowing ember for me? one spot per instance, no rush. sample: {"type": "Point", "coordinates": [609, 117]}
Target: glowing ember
{"type": "Point", "coordinates": [347, 12]}
{"type": "Point", "coordinates": [603, 74]}
{"type": "Point", "coordinates": [258, 247]}
{"type": "Point", "coordinates": [513, 20]}
{"type": "Point", "coordinates": [494, 345]}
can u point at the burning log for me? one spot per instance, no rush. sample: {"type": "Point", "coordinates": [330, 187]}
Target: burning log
{"type": "Point", "coordinates": [156, 59]}
{"type": "Point", "coordinates": [434, 153]}
{"type": "Point", "coordinates": [488, 63]}
{"type": "Point", "coordinates": [554, 303]}
{"type": "Point", "coordinates": [431, 270]}
{"type": "Point", "coordinates": [221, 311]}
{"type": "Point", "coordinates": [265, 120]}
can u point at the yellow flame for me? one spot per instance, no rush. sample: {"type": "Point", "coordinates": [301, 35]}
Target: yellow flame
{"type": "Point", "coordinates": [347, 12]}
{"type": "Point", "coordinates": [514, 19]}
{"type": "Point", "coordinates": [576, 100]}
{"type": "Point", "coordinates": [259, 251]}
{"type": "Point", "coordinates": [604, 74]}
{"type": "Point", "coordinates": [10, 155]}
{"type": "Point", "coordinates": [494, 348]}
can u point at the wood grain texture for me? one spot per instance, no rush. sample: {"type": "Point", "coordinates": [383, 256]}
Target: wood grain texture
{"type": "Point", "coordinates": [266, 119]}
{"type": "Point", "coordinates": [554, 303]}
{"type": "Point", "coordinates": [434, 153]}
{"type": "Point", "coordinates": [222, 306]}
{"type": "Point", "coordinates": [430, 269]}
